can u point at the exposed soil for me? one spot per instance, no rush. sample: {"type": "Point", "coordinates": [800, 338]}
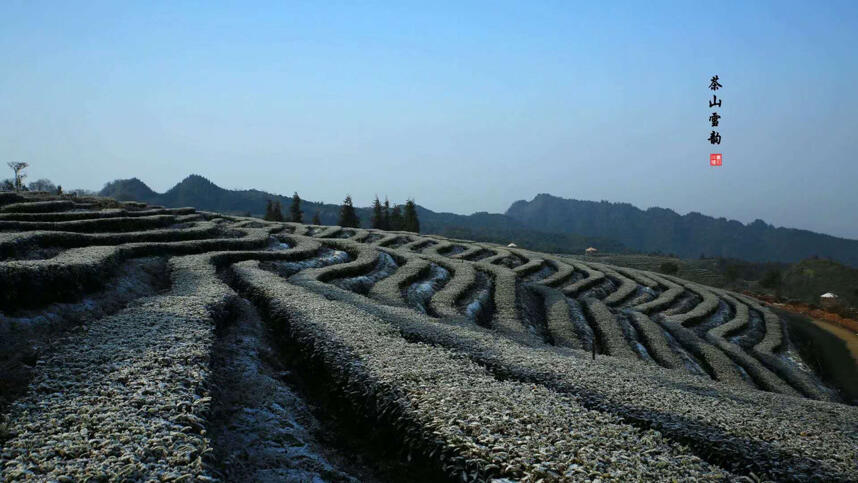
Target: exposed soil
{"type": "Point", "coordinates": [583, 327]}
{"type": "Point", "coordinates": [419, 293]}
{"type": "Point", "coordinates": [373, 237]}
{"type": "Point", "coordinates": [324, 257]}
{"type": "Point", "coordinates": [545, 271]}
{"type": "Point", "coordinates": [318, 434]}
{"type": "Point", "coordinates": [512, 261]}
{"type": "Point", "coordinates": [531, 309]}
{"type": "Point", "coordinates": [262, 427]}
{"type": "Point", "coordinates": [477, 302]}
{"type": "Point", "coordinates": [362, 284]}
{"type": "Point", "coordinates": [422, 246]}
{"type": "Point", "coordinates": [398, 242]}
{"type": "Point", "coordinates": [480, 255]}
{"type": "Point", "coordinates": [685, 302]}
{"type": "Point", "coordinates": [632, 336]}
{"type": "Point", "coordinates": [750, 335]}
{"type": "Point", "coordinates": [600, 290]}
{"type": "Point", "coordinates": [452, 250]}
{"type": "Point", "coordinates": [722, 314]}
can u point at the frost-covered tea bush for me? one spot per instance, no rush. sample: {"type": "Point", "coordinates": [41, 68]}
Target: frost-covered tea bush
{"type": "Point", "coordinates": [124, 328]}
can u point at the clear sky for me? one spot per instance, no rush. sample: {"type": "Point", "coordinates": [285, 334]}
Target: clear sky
{"type": "Point", "coordinates": [465, 106]}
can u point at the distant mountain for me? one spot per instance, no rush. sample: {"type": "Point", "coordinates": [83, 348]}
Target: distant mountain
{"type": "Point", "coordinates": [202, 194]}
{"type": "Point", "coordinates": [128, 190]}
{"type": "Point", "coordinates": [663, 230]}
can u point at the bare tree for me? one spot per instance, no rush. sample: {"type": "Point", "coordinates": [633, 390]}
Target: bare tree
{"type": "Point", "coordinates": [19, 176]}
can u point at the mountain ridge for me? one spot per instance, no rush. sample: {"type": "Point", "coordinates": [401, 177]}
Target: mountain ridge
{"type": "Point", "coordinates": [201, 193]}
{"type": "Point", "coordinates": [547, 223]}
{"type": "Point", "coordinates": [659, 229]}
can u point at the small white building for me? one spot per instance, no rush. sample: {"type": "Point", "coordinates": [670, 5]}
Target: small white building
{"type": "Point", "coordinates": [590, 251]}
{"type": "Point", "coordinates": [512, 245]}
{"type": "Point", "coordinates": [828, 300]}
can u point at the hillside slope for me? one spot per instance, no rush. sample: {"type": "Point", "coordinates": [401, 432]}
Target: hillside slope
{"type": "Point", "coordinates": [138, 332]}
{"type": "Point", "coordinates": [659, 229]}
{"type": "Point", "coordinates": [809, 279]}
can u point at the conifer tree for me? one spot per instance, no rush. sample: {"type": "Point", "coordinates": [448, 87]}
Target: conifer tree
{"type": "Point", "coordinates": [277, 214]}
{"type": "Point", "coordinates": [385, 223]}
{"type": "Point", "coordinates": [295, 210]}
{"type": "Point", "coordinates": [396, 219]}
{"type": "Point", "coordinates": [348, 217]}
{"type": "Point", "coordinates": [377, 214]}
{"type": "Point", "coordinates": [269, 210]}
{"type": "Point", "coordinates": [410, 221]}
{"type": "Point", "coordinates": [316, 219]}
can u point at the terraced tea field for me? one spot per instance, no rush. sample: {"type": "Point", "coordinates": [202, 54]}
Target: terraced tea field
{"type": "Point", "coordinates": [141, 342]}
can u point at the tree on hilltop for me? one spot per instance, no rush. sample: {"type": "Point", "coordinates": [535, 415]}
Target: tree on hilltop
{"type": "Point", "coordinates": [377, 214]}
{"type": "Point", "coordinates": [273, 211]}
{"type": "Point", "coordinates": [278, 211]}
{"type": "Point", "coordinates": [396, 219]}
{"type": "Point", "coordinates": [410, 221]}
{"type": "Point", "coordinates": [18, 167]}
{"type": "Point", "coordinates": [348, 217]}
{"type": "Point", "coordinates": [385, 223]}
{"type": "Point", "coordinates": [295, 210]}
{"type": "Point", "coordinates": [269, 210]}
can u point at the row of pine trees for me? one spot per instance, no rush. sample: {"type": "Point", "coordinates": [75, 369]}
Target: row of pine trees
{"type": "Point", "coordinates": [274, 211]}
{"type": "Point", "coordinates": [400, 218]}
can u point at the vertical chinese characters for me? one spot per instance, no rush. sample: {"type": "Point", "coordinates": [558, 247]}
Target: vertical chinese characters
{"type": "Point", "coordinates": [714, 136]}
{"type": "Point", "coordinates": [714, 85]}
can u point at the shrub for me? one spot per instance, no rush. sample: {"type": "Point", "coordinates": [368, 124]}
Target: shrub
{"type": "Point", "coordinates": [772, 279]}
{"type": "Point", "coordinates": [669, 268]}
{"type": "Point", "coordinates": [43, 184]}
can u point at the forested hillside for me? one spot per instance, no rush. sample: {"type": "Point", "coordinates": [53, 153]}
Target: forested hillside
{"type": "Point", "coordinates": [663, 230]}
{"type": "Point", "coordinates": [807, 280]}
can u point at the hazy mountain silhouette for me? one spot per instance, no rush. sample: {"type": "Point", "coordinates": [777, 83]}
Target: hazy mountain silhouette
{"type": "Point", "coordinates": [202, 194]}
{"type": "Point", "coordinates": [546, 223]}
{"type": "Point", "coordinates": [659, 229]}
{"type": "Point", "coordinates": [129, 190]}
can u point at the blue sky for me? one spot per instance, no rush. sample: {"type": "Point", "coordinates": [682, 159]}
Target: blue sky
{"type": "Point", "coordinates": [465, 106]}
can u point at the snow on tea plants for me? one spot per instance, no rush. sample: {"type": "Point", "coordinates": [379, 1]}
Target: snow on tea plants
{"type": "Point", "coordinates": [142, 342]}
